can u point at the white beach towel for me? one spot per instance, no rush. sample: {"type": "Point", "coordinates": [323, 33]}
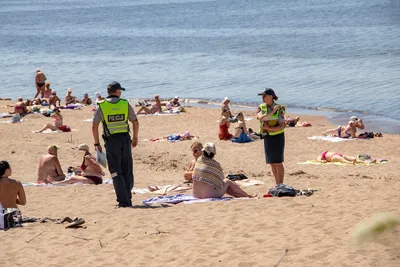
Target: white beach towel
{"type": "Point", "coordinates": [332, 139]}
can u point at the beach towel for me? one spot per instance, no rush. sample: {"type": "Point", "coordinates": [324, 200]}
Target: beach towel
{"type": "Point", "coordinates": [243, 138]}
{"type": "Point", "coordinates": [175, 199]}
{"type": "Point", "coordinates": [105, 181]}
{"type": "Point", "coordinates": [249, 182]}
{"type": "Point", "coordinates": [88, 120]}
{"type": "Point", "coordinates": [164, 113]}
{"type": "Point", "coordinates": [332, 139]}
{"type": "Point", "coordinates": [208, 171]}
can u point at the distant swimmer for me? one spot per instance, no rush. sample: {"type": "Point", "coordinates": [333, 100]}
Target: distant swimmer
{"type": "Point", "coordinates": [40, 80]}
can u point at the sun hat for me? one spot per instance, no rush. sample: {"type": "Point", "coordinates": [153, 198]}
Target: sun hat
{"type": "Point", "coordinates": [269, 91]}
{"type": "Point", "coordinates": [97, 94]}
{"type": "Point", "coordinates": [114, 86]}
{"type": "Point", "coordinates": [209, 148]}
{"type": "Point", "coordinates": [69, 90]}
{"type": "Point", "coordinates": [353, 118]}
{"type": "Point", "coordinates": [83, 147]}
{"type": "Point", "coordinates": [54, 92]}
{"type": "Point", "coordinates": [225, 99]}
{"type": "Point", "coordinates": [176, 97]}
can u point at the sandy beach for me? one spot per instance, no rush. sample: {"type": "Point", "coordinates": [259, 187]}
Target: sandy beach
{"type": "Point", "coordinates": [248, 232]}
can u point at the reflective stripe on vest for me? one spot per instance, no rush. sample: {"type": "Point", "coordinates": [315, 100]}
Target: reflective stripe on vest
{"type": "Point", "coordinates": [115, 116]}
{"type": "Point", "coordinates": [264, 109]}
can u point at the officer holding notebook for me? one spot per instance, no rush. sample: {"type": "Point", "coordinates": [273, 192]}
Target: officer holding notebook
{"type": "Point", "coordinates": [114, 113]}
{"type": "Point", "coordinates": [272, 130]}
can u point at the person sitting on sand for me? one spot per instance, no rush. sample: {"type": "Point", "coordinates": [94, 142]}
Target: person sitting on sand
{"type": "Point", "coordinates": [47, 91]}
{"type": "Point", "coordinates": [86, 99]}
{"type": "Point", "coordinates": [98, 97]}
{"type": "Point", "coordinates": [208, 177]}
{"type": "Point", "coordinates": [54, 99]}
{"type": "Point", "coordinates": [20, 107]}
{"type": "Point", "coordinates": [196, 148]}
{"type": "Point", "coordinates": [49, 167]}
{"type": "Point", "coordinates": [12, 192]}
{"type": "Point", "coordinates": [224, 126]}
{"type": "Point", "coordinates": [174, 105]}
{"type": "Point", "coordinates": [69, 98]}
{"type": "Point", "coordinates": [90, 171]}
{"type": "Point", "coordinates": [329, 156]}
{"type": "Point", "coordinates": [176, 137]}
{"type": "Point", "coordinates": [348, 131]}
{"type": "Point", "coordinates": [58, 121]}
{"type": "Point", "coordinates": [155, 108]}
{"type": "Point", "coordinates": [290, 122]}
{"type": "Point", "coordinates": [241, 127]}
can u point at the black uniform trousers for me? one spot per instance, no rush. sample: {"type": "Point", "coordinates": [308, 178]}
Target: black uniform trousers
{"type": "Point", "coordinates": [120, 164]}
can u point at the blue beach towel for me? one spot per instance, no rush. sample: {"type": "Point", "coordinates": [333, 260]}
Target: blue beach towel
{"type": "Point", "coordinates": [243, 138]}
{"type": "Point", "coordinates": [175, 199]}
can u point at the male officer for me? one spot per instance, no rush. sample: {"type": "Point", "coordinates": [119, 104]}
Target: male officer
{"type": "Point", "coordinates": [114, 114]}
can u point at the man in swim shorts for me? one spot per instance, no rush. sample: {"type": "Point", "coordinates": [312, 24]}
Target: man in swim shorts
{"type": "Point", "coordinates": [49, 168]}
{"type": "Point", "coordinates": [40, 80]}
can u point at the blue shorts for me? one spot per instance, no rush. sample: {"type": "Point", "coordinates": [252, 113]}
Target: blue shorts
{"type": "Point", "coordinates": [274, 147]}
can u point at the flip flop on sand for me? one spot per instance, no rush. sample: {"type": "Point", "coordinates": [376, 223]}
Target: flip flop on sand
{"type": "Point", "coordinates": [76, 224]}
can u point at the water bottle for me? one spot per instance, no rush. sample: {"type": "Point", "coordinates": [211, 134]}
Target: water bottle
{"type": "Point", "coordinates": [1, 217]}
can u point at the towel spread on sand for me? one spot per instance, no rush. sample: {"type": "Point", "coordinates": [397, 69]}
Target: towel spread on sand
{"type": "Point", "coordinates": [315, 162]}
{"type": "Point", "coordinates": [175, 199]}
{"type": "Point", "coordinates": [209, 171]}
{"type": "Point", "coordinates": [48, 131]}
{"type": "Point", "coordinates": [105, 181]}
{"type": "Point", "coordinates": [164, 113]}
{"type": "Point", "coordinates": [332, 139]}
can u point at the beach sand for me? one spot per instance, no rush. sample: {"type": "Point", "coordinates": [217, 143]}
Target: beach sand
{"type": "Point", "coordinates": [249, 232]}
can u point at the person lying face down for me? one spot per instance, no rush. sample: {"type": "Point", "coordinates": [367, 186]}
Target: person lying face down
{"type": "Point", "coordinates": [208, 177]}
{"type": "Point", "coordinates": [330, 156]}
{"type": "Point", "coordinates": [12, 192]}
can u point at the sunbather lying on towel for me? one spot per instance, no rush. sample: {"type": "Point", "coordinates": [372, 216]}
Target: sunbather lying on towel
{"type": "Point", "coordinates": [329, 156]}
{"type": "Point", "coordinates": [208, 177]}
{"type": "Point", "coordinates": [176, 137]}
{"type": "Point", "coordinates": [196, 151]}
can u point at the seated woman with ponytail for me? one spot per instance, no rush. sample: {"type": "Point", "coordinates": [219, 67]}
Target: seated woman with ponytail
{"type": "Point", "coordinates": [12, 193]}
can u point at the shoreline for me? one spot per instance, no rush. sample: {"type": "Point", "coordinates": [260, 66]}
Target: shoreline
{"type": "Point", "coordinates": [373, 123]}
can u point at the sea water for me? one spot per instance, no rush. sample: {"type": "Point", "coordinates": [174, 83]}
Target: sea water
{"type": "Point", "coordinates": [336, 55]}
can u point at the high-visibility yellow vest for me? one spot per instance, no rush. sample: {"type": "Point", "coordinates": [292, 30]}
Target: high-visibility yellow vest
{"type": "Point", "coordinates": [115, 116]}
{"type": "Point", "coordinates": [274, 117]}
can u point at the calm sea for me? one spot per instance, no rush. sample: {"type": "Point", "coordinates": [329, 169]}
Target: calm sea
{"type": "Point", "coordinates": [341, 55]}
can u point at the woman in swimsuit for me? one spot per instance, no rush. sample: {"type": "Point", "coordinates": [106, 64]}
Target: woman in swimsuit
{"type": "Point", "coordinates": [40, 80]}
{"type": "Point", "coordinates": [156, 107]}
{"type": "Point", "coordinates": [224, 126]}
{"type": "Point", "coordinates": [90, 171]}
{"type": "Point", "coordinates": [342, 131]}
{"type": "Point", "coordinates": [329, 156]}
{"type": "Point", "coordinates": [196, 151]}
{"type": "Point", "coordinates": [58, 121]}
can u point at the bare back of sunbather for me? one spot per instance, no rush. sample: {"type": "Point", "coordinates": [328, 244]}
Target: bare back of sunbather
{"type": "Point", "coordinates": [49, 166]}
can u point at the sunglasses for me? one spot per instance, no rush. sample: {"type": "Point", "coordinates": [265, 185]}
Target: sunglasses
{"type": "Point", "coordinates": [195, 150]}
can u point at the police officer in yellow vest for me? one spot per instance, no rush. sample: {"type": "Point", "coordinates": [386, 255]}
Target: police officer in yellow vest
{"type": "Point", "coordinates": [114, 113]}
{"type": "Point", "coordinates": [272, 127]}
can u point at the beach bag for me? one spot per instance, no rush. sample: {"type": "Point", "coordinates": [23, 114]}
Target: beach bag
{"type": "Point", "coordinates": [101, 158]}
{"type": "Point", "coordinates": [236, 177]}
{"type": "Point", "coordinates": [282, 190]}
{"type": "Point", "coordinates": [65, 128]}
{"type": "Point", "coordinates": [10, 217]}
{"type": "Point", "coordinates": [366, 135]}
